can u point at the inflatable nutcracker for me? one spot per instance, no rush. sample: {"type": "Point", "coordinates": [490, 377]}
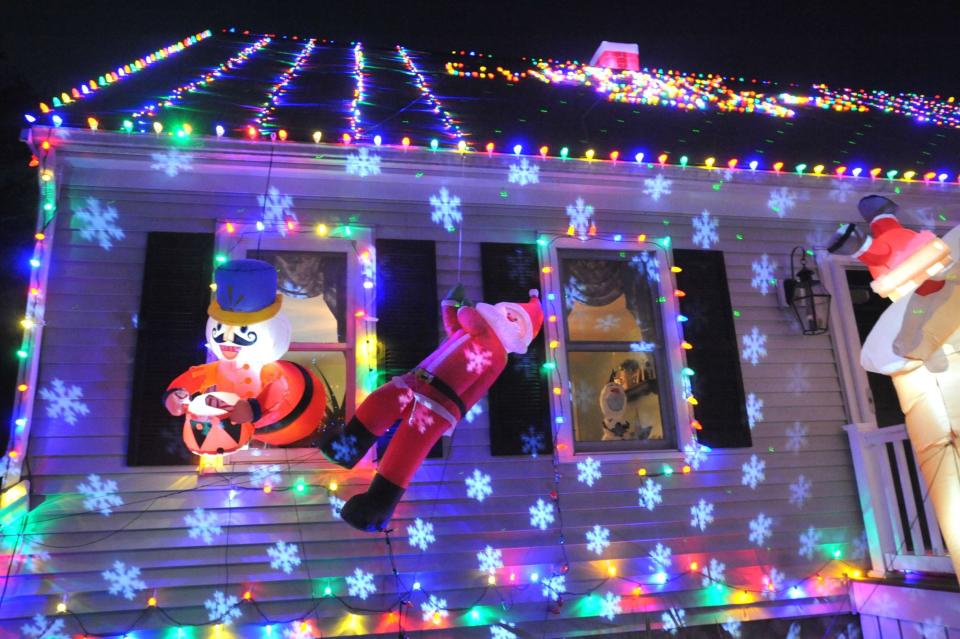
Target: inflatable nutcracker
{"type": "Point", "coordinates": [917, 343]}
{"type": "Point", "coordinates": [430, 399]}
{"type": "Point", "coordinates": [247, 393]}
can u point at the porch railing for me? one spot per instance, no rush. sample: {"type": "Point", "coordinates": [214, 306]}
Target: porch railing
{"type": "Point", "coordinates": [901, 527]}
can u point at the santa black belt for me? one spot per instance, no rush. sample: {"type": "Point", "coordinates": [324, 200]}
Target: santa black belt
{"type": "Point", "coordinates": [426, 376]}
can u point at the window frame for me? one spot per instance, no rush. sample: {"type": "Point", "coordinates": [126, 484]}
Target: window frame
{"type": "Point", "coordinates": [360, 317]}
{"type": "Point", "coordinates": [679, 414]}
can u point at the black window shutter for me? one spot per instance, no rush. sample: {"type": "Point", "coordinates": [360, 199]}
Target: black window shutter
{"type": "Point", "coordinates": [715, 358]}
{"type": "Point", "coordinates": [518, 400]}
{"type": "Point", "coordinates": [407, 311]}
{"type": "Point", "coordinates": [170, 339]}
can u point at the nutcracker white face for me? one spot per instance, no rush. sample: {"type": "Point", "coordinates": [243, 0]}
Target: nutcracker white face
{"type": "Point", "coordinates": [261, 342]}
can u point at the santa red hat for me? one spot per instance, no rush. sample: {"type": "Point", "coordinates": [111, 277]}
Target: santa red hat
{"type": "Point", "coordinates": [900, 260]}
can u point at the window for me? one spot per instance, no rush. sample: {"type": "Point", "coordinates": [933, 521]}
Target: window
{"type": "Point", "coordinates": [612, 326]}
{"type": "Point", "coordinates": [324, 283]}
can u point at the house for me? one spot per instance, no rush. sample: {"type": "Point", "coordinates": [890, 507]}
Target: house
{"type": "Point", "coordinates": [744, 487]}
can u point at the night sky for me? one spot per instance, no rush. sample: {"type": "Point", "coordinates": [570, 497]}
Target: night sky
{"type": "Point", "coordinates": [49, 46]}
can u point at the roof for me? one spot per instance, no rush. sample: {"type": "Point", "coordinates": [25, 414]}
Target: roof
{"type": "Point", "coordinates": [239, 83]}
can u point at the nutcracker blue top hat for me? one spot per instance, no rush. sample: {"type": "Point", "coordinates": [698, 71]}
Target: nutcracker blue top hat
{"type": "Point", "coordinates": [246, 293]}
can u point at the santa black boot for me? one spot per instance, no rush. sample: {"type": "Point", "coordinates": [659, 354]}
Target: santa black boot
{"type": "Point", "coordinates": [347, 445]}
{"type": "Point", "coordinates": [371, 511]}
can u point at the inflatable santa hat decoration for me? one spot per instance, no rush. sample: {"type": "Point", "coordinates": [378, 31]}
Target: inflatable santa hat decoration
{"type": "Point", "coordinates": [900, 260]}
{"type": "Point", "coordinates": [247, 393]}
{"type": "Point", "coordinates": [430, 399]}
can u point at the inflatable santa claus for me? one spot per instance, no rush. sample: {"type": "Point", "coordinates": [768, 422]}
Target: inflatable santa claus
{"type": "Point", "coordinates": [917, 343]}
{"type": "Point", "coordinates": [247, 393]}
{"type": "Point", "coordinates": [430, 399]}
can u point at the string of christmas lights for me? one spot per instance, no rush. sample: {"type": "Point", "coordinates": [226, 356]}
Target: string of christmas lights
{"type": "Point", "coordinates": [112, 77]}
{"type": "Point", "coordinates": [450, 126]}
{"type": "Point", "coordinates": [354, 117]}
{"type": "Point", "coordinates": [202, 81]}
{"type": "Point", "coordinates": [264, 119]}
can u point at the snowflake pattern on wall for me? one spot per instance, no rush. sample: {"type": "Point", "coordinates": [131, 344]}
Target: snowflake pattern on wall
{"type": "Point", "coordinates": [661, 557]}
{"type": "Point", "coordinates": [794, 631]}
{"type": "Point", "coordinates": [581, 217]}
{"type": "Point", "coordinates": [646, 263]}
{"type": "Point", "coordinates": [363, 163]}
{"type": "Point", "coordinates": [501, 632]}
{"type": "Point", "coordinates": [100, 495]}
{"type": "Point", "coordinates": [284, 556]}
{"type": "Point", "coordinates": [554, 586]}
{"type": "Point", "coordinates": [588, 471]}
{"type": "Point", "coordinates": [172, 162]}
{"type": "Point", "coordinates": [64, 402]}
{"type": "Point", "coordinates": [781, 200]}
{"type": "Point", "coordinates": [277, 210]}
{"type": "Point", "coordinates": [490, 559]}
{"type": "Point", "coordinates": [650, 494]}
{"type": "Point", "coordinates": [298, 630]}
{"type": "Point", "coordinates": [222, 609]}
{"type": "Point", "coordinates": [336, 505]}
{"type": "Point", "coordinates": [701, 514]}
{"type": "Point", "coordinates": [695, 454]}
{"type": "Point", "coordinates": [40, 626]}
{"type": "Point", "coordinates": [772, 583]}
{"type": "Point", "coordinates": [360, 584]}
{"type": "Point", "coordinates": [98, 223]}
{"type": "Point", "coordinates": [714, 573]}
{"type": "Point", "coordinates": [732, 626]}
{"type": "Point", "coordinates": [754, 410]}
{"type": "Point", "coordinates": [420, 534]}
{"type": "Point", "coordinates": [657, 187]}
{"type": "Point", "coordinates": [32, 553]}
{"type": "Point", "coordinates": [598, 539]}
{"type": "Point", "coordinates": [541, 514]}
{"type": "Point", "coordinates": [808, 542]}
{"type": "Point", "coordinates": [674, 619]}
{"type": "Point", "coordinates": [203, 525]}
{"type": "Point", "coordinates": [705, 230]}
{"type": "Point", "coordinates": [799, 379]}
{"type": "Point", "coordinates": [764, 274]}
{"type": "Point", "coordinates": [524, 173]}
{"type": "Point", "coordinates": [123, 580]}
{"type": "Point", "coordinates": [445, 209]}
{"type": "Point", "coordinates": [265, 475]}
{"type": "Point", "coordinates": [760, 529]}
{"type": "Point", "coordinates": [610, 606]}
{"type": "Point", "coordinates": [478, 359]}
{"type": "Point", "coordinates": [532, 442]}
{"type": "Point", "coordinates": [800, 491]}
{"type": "Point", "coordinates": [841, 191]}
{"type": "Point", "coordinates": [796, 437]}
{"type": "Point", "coordinates": [434, 609]}
{"type": "Point", "coordinates": [754, 346]}
{"type": "Point", "coordinates": [753, 472]}
{"type": "Point", "coordinates": [642, 347]}
{"type": "Point", "coordinates": [926, 217]}
{"type": "Point", "coordinates": [478, 485]}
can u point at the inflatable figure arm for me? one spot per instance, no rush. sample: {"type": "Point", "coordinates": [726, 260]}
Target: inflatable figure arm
{"type": "Point", "coordinates": [471, 320]}
{"type": "Point", "coordinates": [179, 392]}
{"type": "Point", "coordinates": [454, 300]}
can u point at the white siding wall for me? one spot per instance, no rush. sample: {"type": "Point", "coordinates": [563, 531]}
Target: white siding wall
{"type": "Point", "coordinates": [90, 337]}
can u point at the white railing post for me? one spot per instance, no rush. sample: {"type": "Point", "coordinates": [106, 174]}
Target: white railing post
{"type": "Point", "coordinates": [873, 503]}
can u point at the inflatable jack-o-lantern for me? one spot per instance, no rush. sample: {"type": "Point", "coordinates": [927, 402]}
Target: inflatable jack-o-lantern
{"type": "Point", "coordinates": [247, 394]}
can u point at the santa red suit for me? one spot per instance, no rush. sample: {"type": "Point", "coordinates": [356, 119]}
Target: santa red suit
{"type": "Point", "coordinates": [430, 399]}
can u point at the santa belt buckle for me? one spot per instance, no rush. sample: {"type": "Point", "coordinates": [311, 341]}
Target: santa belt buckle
{"type": "Point", "coordinates": [423, 375]}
